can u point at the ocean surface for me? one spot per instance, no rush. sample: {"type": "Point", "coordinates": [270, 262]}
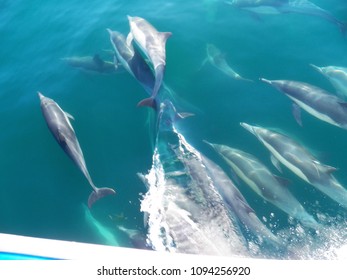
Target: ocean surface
{"type": "Point", "coordinates": [43, 194]}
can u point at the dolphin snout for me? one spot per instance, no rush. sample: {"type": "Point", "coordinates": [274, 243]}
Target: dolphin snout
{"type": "Point", "coordinates": [247, 127]}
{"type": "Point", "coordinates": [208, 143]}
{"type": "Point", "coordinates": [316, 67]}
{"type": "Point", "coordinates": [265, 81]}
{"type": "Point", "coordinates": [40, 95]}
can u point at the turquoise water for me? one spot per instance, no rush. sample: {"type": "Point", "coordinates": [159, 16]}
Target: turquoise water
{"type": "Point", "coordinates": [43, 194]}
{"type": "Point", "coordinates": [17, 257]}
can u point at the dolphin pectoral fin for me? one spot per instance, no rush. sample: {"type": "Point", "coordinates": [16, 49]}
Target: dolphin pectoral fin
{"type": "Point", "coordinates": [69, 115]}
{"type": "Point", "coordinates": [297, 113]}
{"type": "Point", "coordinates": [99, 193]}
{"type": "Point", "coordinates": [276, 163]}
{"type": "Point", "coordinates": [147, 102]}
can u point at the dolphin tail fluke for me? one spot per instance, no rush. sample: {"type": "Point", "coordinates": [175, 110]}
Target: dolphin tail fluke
{"type": "Point", "coordinates": [99, 193]}
{"type": "Point", "coordinates": [147, 102]}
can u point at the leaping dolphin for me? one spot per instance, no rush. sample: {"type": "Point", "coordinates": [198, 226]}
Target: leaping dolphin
{"type": "Point", "coordinates": [152, 44]}
{"type": "Point", "coordinates": [337, 76]}
{"type": "Point", "coordinates": [217, 59]}
{"type": "Point", "coordinates": [270, 187]}
{"type": "Point", "coordinates": [288, 6]}
{"type": "Point", "coordinates": [91, 63]}
{"type": "Point", "coordinates": [314, 100]}
{"type": "Point", "coordinates": [62, 130]}
{"type": "Point", "coordinates": [296, 158]}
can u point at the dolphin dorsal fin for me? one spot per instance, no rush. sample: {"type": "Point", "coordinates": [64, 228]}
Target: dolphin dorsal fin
{"type": "Point", "coordinates": [164, 36]}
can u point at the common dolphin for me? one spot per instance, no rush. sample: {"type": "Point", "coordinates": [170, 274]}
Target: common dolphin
{"type": "Point", "coordinates": [287, 6]}
{"type": "Point", "coordinates": [314, 100]}
{"type": "Point", "coordinates": [337, 77]}
{"type": "Point", "coordinates": [62, 130]}
{"type": "Point", "coordinates": [258, 177]}
{"type": "Point", "coordinates": [153, 45]}
{"type": "Point", "coordinates": [132, 61]}
{"type": "Point", "coordinates": [302, 163]}
{"type": "Point", "coordinates": [217, 59]}
{"type": "Point", "coordinates": [237, 204]}
{"type": "Point", "coordinates": [91, 63]}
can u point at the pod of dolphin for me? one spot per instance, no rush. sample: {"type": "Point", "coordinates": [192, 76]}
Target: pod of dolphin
{"type": "Point", "coordinates": [142, 53]}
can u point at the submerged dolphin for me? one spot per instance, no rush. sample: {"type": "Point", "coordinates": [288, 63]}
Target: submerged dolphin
{"type": "Point", "coordinates": [314, 100]}
{"type": "Point", "coordinates": [91, 63]}
{"type": "Point", "coordinates": [152, 44]}
{"type": "Point", "coordinates": [270, 187]}
{"type": "Point", "coordinates": [296, 158]}
{"type": "Point", "coordinates": [337, 77]}
{"type": "Point", "coordinates": [132, 61]}
{"type": "Point", "coordinates": [239, 206]}
{"type": "Point", "coordinates": [287, 6]}
{"type": "Point", "coordinates": [61, 128]}
{"type": "Point", "coordinates": [217, 59]}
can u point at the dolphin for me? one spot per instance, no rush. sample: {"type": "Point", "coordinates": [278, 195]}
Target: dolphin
{"type": "Point", "coordinates": [91, 63]}
{"type": "Point", "coordinates": [267, 185]}
{"type": "Point", "coordinates": [152, 44]}
{"type": "Point", "coordinates": [288, 6]}
{"type": "Point", "coordinates": [238, 205]}
{"type": "Point", "coordinates": [337, 76]}
{"type": "Point", "coordinates": [296, 158]}
{"type": "Point", "coordinates": [62, 130]}
{"type": "Point", "coordinates": [314, 100]}
{"type": "Point", "coordinates": [217, 59]}
{"type": "Point", "coordinates": [132, 61]}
